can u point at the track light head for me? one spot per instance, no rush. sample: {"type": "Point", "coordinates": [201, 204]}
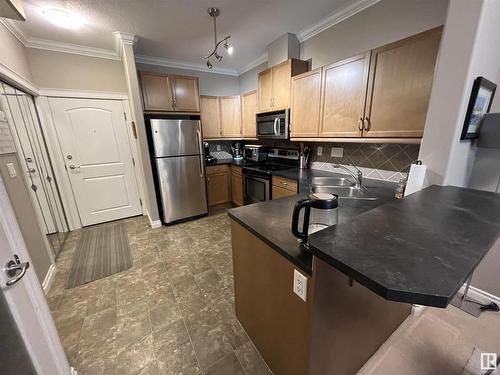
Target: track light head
{"type": "Point", "coordinates": [209, 64]}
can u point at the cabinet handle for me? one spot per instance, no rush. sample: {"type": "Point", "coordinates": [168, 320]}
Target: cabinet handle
{"type": "Point", "coordinates": [367, 124]}
{"type": "Point", "coordinates": [360, 124]}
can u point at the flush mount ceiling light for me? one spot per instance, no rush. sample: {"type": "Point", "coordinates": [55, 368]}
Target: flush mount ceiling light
{"type": "Point", "coordinates": [62, 18]}
{"type": "Point", "coordinates": [214, 13]}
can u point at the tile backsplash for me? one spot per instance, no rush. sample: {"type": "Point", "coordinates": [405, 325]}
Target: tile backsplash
{"type": "Point", "coordinates": [388, 162]}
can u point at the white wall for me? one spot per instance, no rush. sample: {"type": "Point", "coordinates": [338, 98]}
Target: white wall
{"type": "Point", "coordinates": [210, 83]}
{"type": "Point", "coordinates": [248, 80]}
{"type": "Point", "coordinates": [13, 59]}
{"type": "Point", "coordinates": [60, 70]}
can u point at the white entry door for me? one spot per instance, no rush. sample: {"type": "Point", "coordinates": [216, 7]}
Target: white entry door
{"type": "Point", "coordinates": [97, 153]}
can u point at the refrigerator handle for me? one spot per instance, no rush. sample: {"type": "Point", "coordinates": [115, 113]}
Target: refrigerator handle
{"type": "Point", "coordinates": [198, 133]}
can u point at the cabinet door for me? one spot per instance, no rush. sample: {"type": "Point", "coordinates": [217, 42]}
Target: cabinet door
{"type": "Point", "coordinates": [237, 188]}
{"type": "Point", "coordinates": [344, 94]}
{"type": "Point", "coordinates": [248, 110]}
{"type": "Point", "coordinates": [306, 94]}
{"type": "Point", "coordinates": [219, 190]}
{"type": "Point", "coordinates": [282, 76]}
{"type": "Point", "coordinates": [156, 92]}
{"type": "Point", "coordinates": [230, 116]}
{"type": "Point", "coordinates": [265, 90]}
{"type": "Point", "coordinates": [400, 85]}
{"type": "Point", "coordinates": [185, 93]}
{"type": "Point", "coordinates": [279, 192]}
{"type": "Point", "coordinates": [210, 116]}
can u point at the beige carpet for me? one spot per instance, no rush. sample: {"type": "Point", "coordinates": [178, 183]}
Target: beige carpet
{"type": "Point", "coordinates": [103, 250]}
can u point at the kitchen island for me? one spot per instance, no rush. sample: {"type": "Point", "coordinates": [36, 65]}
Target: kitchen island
{"type": "Point", "coordinates": [363, 274]}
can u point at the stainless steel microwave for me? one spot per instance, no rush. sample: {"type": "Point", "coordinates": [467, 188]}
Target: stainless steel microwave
{"type": "Point", "coordinates": [273, 125]}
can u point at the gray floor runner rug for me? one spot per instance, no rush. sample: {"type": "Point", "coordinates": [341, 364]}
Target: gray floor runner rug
{"type": "Point", "coordinates": [103, 250]}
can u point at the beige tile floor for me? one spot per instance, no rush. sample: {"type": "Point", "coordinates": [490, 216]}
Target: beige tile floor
{"type": "Point", "coordinates": [173, 313]}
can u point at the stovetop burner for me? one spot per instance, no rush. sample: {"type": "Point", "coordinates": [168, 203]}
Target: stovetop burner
{"type": "Point", "coordinates": [269, 167]}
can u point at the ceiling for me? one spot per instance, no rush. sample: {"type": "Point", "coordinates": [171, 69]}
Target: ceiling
{"type": "Point", "coordinates": [182, 30]}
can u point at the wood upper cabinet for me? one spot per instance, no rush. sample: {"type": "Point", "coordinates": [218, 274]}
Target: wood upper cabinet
{"type": "Point", "coordinates": [156, 92]}
{"type": "Point", "coordinates": [275, 84]}
{"type": "Point", "coordinates": [210, 116]}
{"type": "Point", "coordinates": [248, 110]}
{"type": "Point", "coordinates": [306, 98]}
{"type": "Point", "coordinates": [169, 93]}
{"type": "Point", "coordinates": [185, 93]}
{"type": "Point", "coordinates": [399, 87]}
{"type": "Point", "coordinates": [344, 92]}
{"type": "Point", "coordinates": [265, 92]}
{"type": "Point", "coordinates": [230, 116]}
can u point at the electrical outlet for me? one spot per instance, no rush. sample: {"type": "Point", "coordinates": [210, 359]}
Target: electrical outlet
{"type": "Point", "coordinates": [299, 284]}
{"type": "Point", "coordinates": [218, 147]}
{"type": "Point", "coordinates": [320, 151]}
{"type": "Point", "coordinates": [337, 152]}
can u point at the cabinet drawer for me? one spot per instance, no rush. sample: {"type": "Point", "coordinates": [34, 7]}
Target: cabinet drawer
{"type": "Point", "coordinates": [285, 183]}
{"type": "Point", "coordinates": [215, 169]}
{"type": "Point", "coordinates": [235, 169]}
{"type": "Point", "coordinates": [279, 192]}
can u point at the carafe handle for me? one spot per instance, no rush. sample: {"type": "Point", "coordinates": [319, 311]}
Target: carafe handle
{"type": "Point", "coordinates": [303, 203]}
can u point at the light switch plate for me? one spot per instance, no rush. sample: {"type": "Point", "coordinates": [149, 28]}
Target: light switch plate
{"type": "Point", "coordinates": [300, 285]}
{"type": "Point", "coordinates": [337, 152]}
{"type": "Point", "coordinates": [12, 170]}
{"type": "Point", "coordinates": [320, 151]}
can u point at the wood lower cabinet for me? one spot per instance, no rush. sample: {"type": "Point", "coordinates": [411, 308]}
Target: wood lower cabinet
{"type": "Point", "coordinates": [248, 111]}
{"type": "Point", "coordinates": [275, 84]}
{"type": "Point", "coordinates": [237, 185]}
{"type": "Point", "coordinates": [283, 187]}
{"type": "Point", "coordinates": [218, 184]}
{"type": "Point", "coordinates": [306, 99]}
{"type": "Point", "coordinates": [400, 85]}
{"type": "Point", "coordinates": [344, 93]}
{"type": "Point", "coordinates": [230, 116]}
{"type": "Point", "coordinates": [169, 93]}
{"type": "Point", "coordinates": [210, 116]}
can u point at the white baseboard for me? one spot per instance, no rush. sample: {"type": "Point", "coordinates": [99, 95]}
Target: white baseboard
{"type": "Point", "coordinates": [49, 277]}
{"type": "Point", "coordinates": [416, 310]}
{"type": "Point", "coordinates": [155, 224]}
{"type": "Point", "coordinates": [479, 295]}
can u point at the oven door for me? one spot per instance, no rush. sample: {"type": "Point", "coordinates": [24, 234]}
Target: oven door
{"type": "Point", "coordinates": [256, 187]}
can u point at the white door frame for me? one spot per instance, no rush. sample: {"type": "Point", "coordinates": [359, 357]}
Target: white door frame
{"type": "Point", "coordinates": [55, 149]}
{"type": "Point", "coordinates": [42, 342]}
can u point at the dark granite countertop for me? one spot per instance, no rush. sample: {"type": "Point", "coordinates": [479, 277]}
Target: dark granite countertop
{"type": "Point", "coordinates": [420, 249]}
{"type": "Point", "coordinates": [271, 221]}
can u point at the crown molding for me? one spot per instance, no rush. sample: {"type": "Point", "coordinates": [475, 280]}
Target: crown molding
{"type": "Point", "coordinates": [125, 38]}
{"type": "Point", "coordinates": [260, 60]}
{"type": "Point", "coordinates": [14, 30]}
{"type": "Point", "coordinates": [171, 63]}
{"type": "Point", "coordinates": [349, 10]}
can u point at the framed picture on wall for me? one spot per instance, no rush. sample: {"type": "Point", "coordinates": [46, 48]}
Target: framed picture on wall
{"type": "Point", "coordinates": [479, 104]}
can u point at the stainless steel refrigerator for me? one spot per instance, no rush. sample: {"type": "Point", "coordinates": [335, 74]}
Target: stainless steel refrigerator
{"type": "Point", "coordinates": [178, 154]}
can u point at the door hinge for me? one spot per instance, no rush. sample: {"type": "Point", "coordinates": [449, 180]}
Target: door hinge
{"type": "Point", "coordinates": [125, 115]}
{"type": "Point", "coordinates": [133, 162]}
{"type": "Point", "coordinates": [140, 201]}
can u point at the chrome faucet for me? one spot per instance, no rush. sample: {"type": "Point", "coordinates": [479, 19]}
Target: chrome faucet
{"type": "Point", "coordinates": [358, 176]}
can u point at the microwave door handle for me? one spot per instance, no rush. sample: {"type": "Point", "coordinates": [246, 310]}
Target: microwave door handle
{"type": "Point", "coordinates": [276, 120]}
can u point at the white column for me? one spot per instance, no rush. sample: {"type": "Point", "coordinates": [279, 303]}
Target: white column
{"type": "Point", "coordinates": [126, 47]}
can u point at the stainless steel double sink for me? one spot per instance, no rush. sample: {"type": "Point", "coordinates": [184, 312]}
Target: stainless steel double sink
{"type": "Point", "coordinates": [344, 187]}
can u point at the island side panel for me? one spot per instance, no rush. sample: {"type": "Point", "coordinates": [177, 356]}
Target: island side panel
{"type": "Point", "coordinates": [277, 320]}
{"type": "Point", "coordinates": [350, 322]}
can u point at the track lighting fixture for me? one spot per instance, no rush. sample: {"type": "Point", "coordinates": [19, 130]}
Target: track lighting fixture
{"type": "Point", "coordinates": [214, 13]}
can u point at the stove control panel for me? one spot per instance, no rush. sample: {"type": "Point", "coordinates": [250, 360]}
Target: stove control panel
{"type": "Point", "coordinates": [281, 153]}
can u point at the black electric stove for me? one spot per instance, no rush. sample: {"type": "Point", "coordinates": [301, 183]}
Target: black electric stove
{"type": "Point", "coordinates": [257, 186]}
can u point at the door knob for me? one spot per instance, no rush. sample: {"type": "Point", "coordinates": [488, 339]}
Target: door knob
{"type": "Point", "coordinates": [13, 267]}
{"type": "Point", "coordinates": [73, 167]}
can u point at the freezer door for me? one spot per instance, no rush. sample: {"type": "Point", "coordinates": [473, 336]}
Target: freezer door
{"type": "Point", "coordinates": [182, 186]}
{"type": "Point", "coordinates": [176, 137]}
